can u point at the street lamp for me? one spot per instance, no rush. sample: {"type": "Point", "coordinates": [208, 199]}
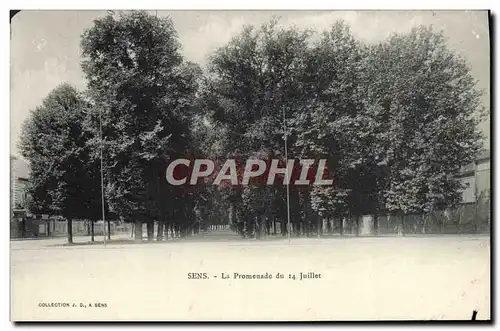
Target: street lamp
{"type": "Point", "coordinates": [102, 179]}
{"type": "Point", "coordinates": [285, 137]}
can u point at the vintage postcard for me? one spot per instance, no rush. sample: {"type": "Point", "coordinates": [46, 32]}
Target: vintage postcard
{"type": "Point", "coordinates": [250, 165]}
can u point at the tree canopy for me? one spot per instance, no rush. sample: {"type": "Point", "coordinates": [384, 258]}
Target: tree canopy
{"type": "Point", "coordinates": [396, 121]}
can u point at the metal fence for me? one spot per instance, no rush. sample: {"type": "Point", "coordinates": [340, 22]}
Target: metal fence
{"type": "Point", "coordinates": [468, 218]}
{"type": "Point", "coordinates": [471, 218]}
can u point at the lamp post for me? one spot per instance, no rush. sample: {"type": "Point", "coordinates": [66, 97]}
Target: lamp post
{"type": "Point", "coordinates": [285, 137]}
{"type": "Point", "coordinates": [102, 180]}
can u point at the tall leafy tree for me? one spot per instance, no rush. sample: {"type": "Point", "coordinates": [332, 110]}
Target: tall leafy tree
{"type": "Point", "coordinates": [251, 81]}
{"type": "Point", "coordinates": [422, 100]}
{"type": "Point", "coordinates": [396, 121]}
{"type": "Point", "coordinates": [143, 92]}
{"type": "Point", "coordinates": [63, 179]}
{"type": "Point", "coordinates": [331, 127]}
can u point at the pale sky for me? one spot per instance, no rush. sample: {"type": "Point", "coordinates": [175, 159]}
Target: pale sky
{"type": "Point", "coordinates": [45, 45]}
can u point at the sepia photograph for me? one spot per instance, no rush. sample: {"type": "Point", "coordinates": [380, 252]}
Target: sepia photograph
{"type": "Point", "coordinates": [250, 165]}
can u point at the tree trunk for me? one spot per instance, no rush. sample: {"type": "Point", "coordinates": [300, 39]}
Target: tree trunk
{"type": "Point", "coordinates": [92, 231]}
{"type": "Point", "coordinates": [263, 225]}
{"type": "Point", "coordinates": [443, 220]}
{"type": "Point", "coordinates": [138, 231]}
{"type": "Point", "coordinates": [165, 230]}
{"type": "Point", "coordinates": [23, 227]}
{"type": "Point", "coordinates": [267, 222]}
{"type": "Point", "coordinates": [424, 223]}
{"type": "Point", "coordinates": [159, 235]}
{"type": "Point", "coordinates": [109, 229]}
{"type": "Point", "coordinates": [375, 224]}
{"type": "Point", "coordinates": [257, 227]}
{"type": "Point", "coordinates": [151, 230]}
{"type": "Point", "coordinates": [70, 231]}
{"type": "Point", "coordinates": [358, 218]}
{"type": "Point", "coordinates": [232, 214]}
{"type": "Point", "coordinates": [401, 227]}
{"type": "Point", "coordinates": [342, 219]}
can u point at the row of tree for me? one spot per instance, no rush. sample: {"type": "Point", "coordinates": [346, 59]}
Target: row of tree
{"type": "Point", "coordinates": [396, 121]}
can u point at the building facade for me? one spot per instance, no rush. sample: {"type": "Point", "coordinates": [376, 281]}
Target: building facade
{"type": "Point", "coordinates": [25, 225]}
{"type": "Point", "coordinates": [21, 225]}
{"type": "Point", "coordinates": [19, 175]}
{"type": "Point", "coordinates": [476, 178]}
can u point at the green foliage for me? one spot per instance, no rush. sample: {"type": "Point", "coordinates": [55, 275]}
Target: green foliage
{"type": "Point", "coordinates": [63, 181]}
{"type": "Point", "coordinates": [422, 98]}
{"type": "Point", "coordinates": [396, 121]}
{"type": "Point", "coordinates": [144, 92]}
